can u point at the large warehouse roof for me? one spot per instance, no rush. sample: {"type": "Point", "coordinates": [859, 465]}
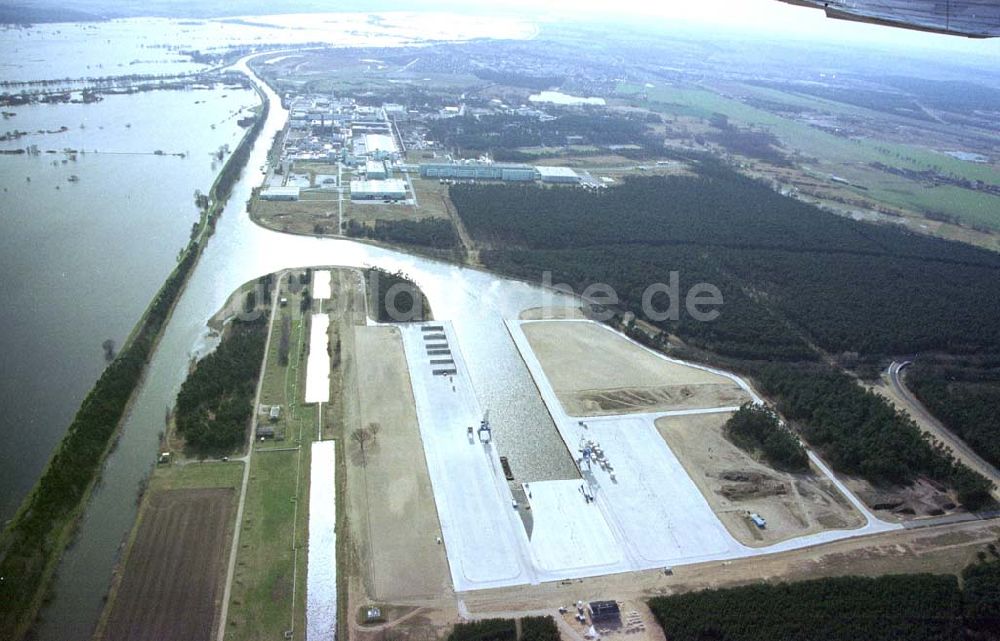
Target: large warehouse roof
{"type": "Point", "coordinates": [378, 188]}
{"type": "Point", "coordinates": [556, 172]}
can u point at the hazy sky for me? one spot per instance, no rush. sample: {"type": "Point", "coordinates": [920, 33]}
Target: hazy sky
{"type": "Point", "coordinates": [760, 16]}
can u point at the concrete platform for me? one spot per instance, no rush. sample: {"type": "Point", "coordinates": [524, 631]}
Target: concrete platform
{"type": "Point", "coordinates": [321, 580]}
{"type": "Point", "coordinates": [657, 514]}
{"type": "Point", "coordinates": [321, 284]}
{"type": "Point", "coordinates": [318, 363]}
{"type": "Point", "coordinates": [570, 534]}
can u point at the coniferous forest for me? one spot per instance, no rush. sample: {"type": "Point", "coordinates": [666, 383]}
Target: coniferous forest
{"type": "Point", "coordinates": [918, 607]}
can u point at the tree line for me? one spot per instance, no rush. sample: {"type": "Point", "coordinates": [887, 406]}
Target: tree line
{"type": "Point", "coordinates": [393, 297]}
{"type": "Point", "coordinates": [859, 432]}
{"type": "Point", "coordinates": [215, 402]}
{"type": "Point", "coordinates": [33, 541]}
{"type": "Point", "coordinates": [965, 397]}
{"type": "Point", "coordinates": [426, 232]}
{"type": "Point", "coordinates": [539, 628]}
{"type": "Point", "coordinates": [917, 607]}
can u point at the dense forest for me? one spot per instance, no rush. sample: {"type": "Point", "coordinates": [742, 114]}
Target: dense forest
{"type": "Point", "coordinates": [919, 607]}
{"type": "Point", "coordinates": [756, 428]}
{"type": "Point", "coordinates": [541, 628]}
{"type": "Point", "coordinates": [778, 262]}
{"type": "Point", "coordinates": [486, 133]}
{"type": "Point", "coordinates": [965, 398]}
{"type": "Point", "coordinates": [981, 592]}
{"type": "Point", "coordinates": [796, 282]}
{"type": "Point", "coordinates": [394, 298]}
{"type": "Point", "coordinates": [215, 403]}
{"type": "Point", "coordinates": [859, 432]}
{"type": "Point", "coordinates": [428, 232]}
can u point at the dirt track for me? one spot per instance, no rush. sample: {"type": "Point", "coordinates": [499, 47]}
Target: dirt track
{"type": "Point", "coordinates": [596, 372]}
{"type": "Point", "coordinates": [172, 578]}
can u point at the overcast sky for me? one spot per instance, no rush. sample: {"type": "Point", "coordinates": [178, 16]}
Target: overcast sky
{"type": "Point", "coordinates": [757, 16]}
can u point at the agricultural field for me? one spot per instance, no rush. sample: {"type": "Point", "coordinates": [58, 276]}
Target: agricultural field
{"type": "Point", "coordinates": [172, 584]}
{"type": "Point", "coordinates": [848, 157]}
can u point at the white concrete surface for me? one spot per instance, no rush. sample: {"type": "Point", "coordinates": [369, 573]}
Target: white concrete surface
{"type": "Point", "coordinates": [569, 534]}
{"type": "Point", "coordinates": [321, 580]}
{"type": "Point", "coordinates": [484, 539]}
{"type": "Point", "coordinates": [321, 284]}
{"type": "Point", "coordinates": [318, 363]}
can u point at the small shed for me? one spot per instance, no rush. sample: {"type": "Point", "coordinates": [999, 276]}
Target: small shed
{"type": "Point", "coordinates": [265, 432]}
{"type": "Point", "coordinates": [275, 413]}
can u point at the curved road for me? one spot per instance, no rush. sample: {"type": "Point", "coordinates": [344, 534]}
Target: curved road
{"type": "Point", "coordinates": [926, 420]}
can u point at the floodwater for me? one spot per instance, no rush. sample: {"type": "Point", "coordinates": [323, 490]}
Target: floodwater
{"type": "Point", "coordinates": [84, 258]}
{"type": "Point", "coordinates": [81, 260]}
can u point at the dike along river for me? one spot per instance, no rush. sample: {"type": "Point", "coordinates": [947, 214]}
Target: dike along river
{"type": "Point", "coordinates": [476, 302]}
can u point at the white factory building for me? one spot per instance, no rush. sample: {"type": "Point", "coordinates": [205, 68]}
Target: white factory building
{"type": "Point", "coordinates": [280, 193]}
{"type": "Point", "coordinates": [557, 175]}
{"type": "Point", "coordinates": [391, 189]}
{"type": "Point", "coordinates": [374, 145]}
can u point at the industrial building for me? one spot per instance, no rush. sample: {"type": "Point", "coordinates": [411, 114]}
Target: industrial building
{"type": "Point", "coordinates": [604, 612]}
{"type": "Point", "coordinates": [479, 170]}
{"type": "Point", "coordinates": [375, 170]}
{"type": "Point", "coordinates": [373, 144]}
{"type": "Point", "coordinates": [390, 189]}
{"type": "Point", "coordinates": [280, 193]}
{"type": "Point", "coordinates": [563, 175]}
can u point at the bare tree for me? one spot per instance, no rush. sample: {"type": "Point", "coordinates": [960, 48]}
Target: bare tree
{"type": "Point", "coordinates": [373, 429]}
{"type": "Point", "coordinates": [361, 436]}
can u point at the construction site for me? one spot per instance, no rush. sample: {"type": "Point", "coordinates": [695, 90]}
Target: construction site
{"type": "Point", "coordinates": [438, 509]}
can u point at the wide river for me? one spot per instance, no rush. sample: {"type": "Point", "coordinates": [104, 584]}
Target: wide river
{"type": "Point", "coordinates": [477, 303]}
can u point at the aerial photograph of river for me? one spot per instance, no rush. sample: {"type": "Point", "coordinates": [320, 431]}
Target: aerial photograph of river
{"type": "Point", "coordinates": [570, 457]}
